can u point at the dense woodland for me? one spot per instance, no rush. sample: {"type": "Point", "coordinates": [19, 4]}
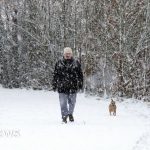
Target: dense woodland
{"type": "Point", "coordinates": [111, 39]}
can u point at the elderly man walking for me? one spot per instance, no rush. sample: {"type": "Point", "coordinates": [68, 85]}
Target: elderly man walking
{"type": "Point", "coordinates": [67, 80]}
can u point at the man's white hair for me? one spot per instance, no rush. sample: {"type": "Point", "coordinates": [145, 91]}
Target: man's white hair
{"type": "Point", "coordinates": [67, 50]}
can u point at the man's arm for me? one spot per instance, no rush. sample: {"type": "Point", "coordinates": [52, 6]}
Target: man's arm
{"type": "Point", "coordinates": [80, 76]}
{"type": "Point", "coordinates": [55, 77]}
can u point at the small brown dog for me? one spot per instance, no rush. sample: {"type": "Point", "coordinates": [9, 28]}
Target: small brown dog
{"type": "Point", "coordinates": [112, 107]}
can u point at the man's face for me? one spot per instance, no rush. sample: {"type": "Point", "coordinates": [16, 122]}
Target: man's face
{"type": "Point", "coordinates": [68, 55]}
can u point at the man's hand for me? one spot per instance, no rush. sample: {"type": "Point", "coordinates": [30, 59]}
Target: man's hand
{"type": "Point", "coordinates": [54, 89]}
{"type": "Point", "coordinates": [81, 90]}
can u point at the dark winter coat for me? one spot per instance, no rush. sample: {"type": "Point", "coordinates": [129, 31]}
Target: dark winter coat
{"type": "Point", "coordinates": [68, 76]}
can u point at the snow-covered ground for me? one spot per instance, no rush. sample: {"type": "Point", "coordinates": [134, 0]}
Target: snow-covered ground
{"type": "Point", "coordinates": [30, 120]}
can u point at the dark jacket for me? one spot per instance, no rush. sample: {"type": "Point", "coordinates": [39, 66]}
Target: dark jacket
{"type": "Point", "coordinates": [68, 76]}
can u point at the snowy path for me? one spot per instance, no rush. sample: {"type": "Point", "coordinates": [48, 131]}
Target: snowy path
{"type": "Point", "coordinates": [30, 120]}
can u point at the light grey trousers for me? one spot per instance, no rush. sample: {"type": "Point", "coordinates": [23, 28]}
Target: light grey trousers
{"type": "Point", "coordinates": [67, 103]}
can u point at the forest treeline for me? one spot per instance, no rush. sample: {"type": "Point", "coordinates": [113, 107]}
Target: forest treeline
{"type": "Point", "coordinates": [111, 39]}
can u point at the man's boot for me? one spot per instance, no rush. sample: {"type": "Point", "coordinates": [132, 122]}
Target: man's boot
{"type": "Point", "coordinates": [64, 119]}
{"type": "Point", "coordinates": [71, 118]}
